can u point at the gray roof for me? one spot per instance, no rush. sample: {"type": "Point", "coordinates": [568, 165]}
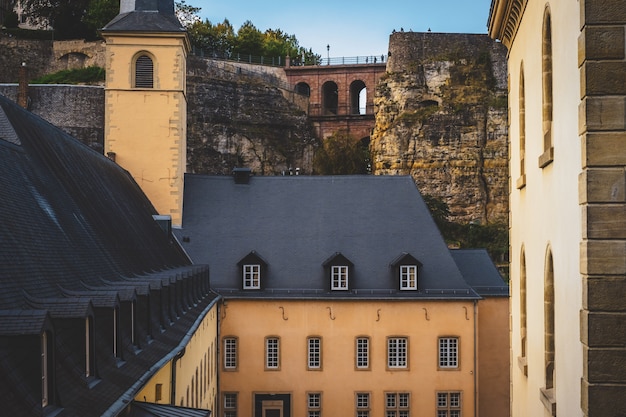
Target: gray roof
{"type": "Point", "coordinates": [145, 16]}
{"type": "Point", "coordinates": [295, 223]}
{"type": "Point", "coordinates": [480, 272]}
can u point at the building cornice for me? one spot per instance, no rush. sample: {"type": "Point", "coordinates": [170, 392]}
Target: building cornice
{"type": "Point", "coordinates": [504, 19]}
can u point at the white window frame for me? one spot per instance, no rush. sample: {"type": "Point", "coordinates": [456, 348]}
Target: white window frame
{"type": "Point", "coordinates": [314, 353]}
{"type": "Point", "coordinates": [362, 404]}
{"type": "Point", "coordinates": [397, 404]}
{"type": "Point", "coordinates": [449, 404]}
{"type": "Point", "coordinates": [408, 277]}
{"type": "Point", "coordinates": [230, 353]}
{"type": "Point", "coordinates": [272, 353]}
{"type": "Point", "coordinates": [339, 278]}
{"type": "Point", "coordinates": [314, 404]}
{"type": "Point", "coordinates": [448, 352]}
{"type": "Point", "coordinates": [230, 404]}
{"type": "Point", "coordinates": [362, 352]}
{"type": "Point", "coordinates": [251, 276]}
{"type": "Point", "coordinates": [397, 352]}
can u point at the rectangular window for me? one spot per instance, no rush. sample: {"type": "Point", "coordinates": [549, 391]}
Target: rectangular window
{"type": "Point", "coordinates": [408, 277]}
{"type": "Point", "coordinates": [230, 353]}
{"type": "Point", "coordinates": [362, 404]}
{"type": "Point", "coordinates": [314, 353]}
{"type": "Point", "coordinates": [230, 404]}
{"type": "Point", "coordinates": [251, 277]}
{"type": "Point", "coordinates": [314, 404]}
{"type": "Point", "coordinates": [339, 277]}
{"type": "Point", "coordinates": [397, 352]}
{"type": "Point", "coordinates": [397, 404]}
{"type": "Point", "coordinates": [272, 353]}
{"type": "Point", "coordinates": [448, 352]}
{"type": "Point", "coordinates": [362, 352]}
{"type": "Point", "coordinates": [448, 404]}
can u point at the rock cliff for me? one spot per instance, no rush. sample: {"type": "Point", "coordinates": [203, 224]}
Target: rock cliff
{"type": "Point", "coordinates": [240, 120]}
{"type": "Point", "coordinates": [441, 117]}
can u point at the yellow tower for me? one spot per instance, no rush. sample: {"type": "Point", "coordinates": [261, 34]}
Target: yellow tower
{"type": "Point", "coordinates": [145, 99]}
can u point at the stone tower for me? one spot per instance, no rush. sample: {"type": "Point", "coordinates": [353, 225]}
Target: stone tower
{"type": "Point", "coordinates": [145, 99]}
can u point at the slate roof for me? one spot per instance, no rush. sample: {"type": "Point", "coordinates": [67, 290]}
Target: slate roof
{"type": "Point", "coordinates": [145, 16]}
{"type": "Point", "coordinates": [77, 232]}
{"type": "Point", "coordinates": [295, 223]}
{"type": "Point", "coordinates": [480, 272]}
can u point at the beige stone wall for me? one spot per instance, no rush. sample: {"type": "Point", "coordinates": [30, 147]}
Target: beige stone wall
{"type": "Point", "coordinates": [145, 128]}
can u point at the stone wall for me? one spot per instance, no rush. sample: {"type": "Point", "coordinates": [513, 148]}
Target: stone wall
{"type": "Point", "coordinates": [441, 117]}
{"type": "Point", "coordinates": [78, 110]}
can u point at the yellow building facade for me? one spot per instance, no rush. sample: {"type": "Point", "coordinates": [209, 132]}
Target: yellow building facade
{"type": "Point", "coordinates": [146, 111]}
{"type": "Point", "coordinates": [189, 379]}
{"type": "Point", "coordinates": [338, 357]}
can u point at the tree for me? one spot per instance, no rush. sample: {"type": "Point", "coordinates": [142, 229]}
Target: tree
{"type": "Point", "coordinates": [187, 14]}
{"type": "Point", "coordinates": [99, 13]}
{"type": "Point", "coordinates": [341, 154]}
{"type": "Point", "coordinates": [249, 40]}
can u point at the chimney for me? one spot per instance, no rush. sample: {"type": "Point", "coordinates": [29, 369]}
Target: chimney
{"type": "Point", "coordinates": [22, 89]}
{"type": "Point", "coordinates": [242, 175]}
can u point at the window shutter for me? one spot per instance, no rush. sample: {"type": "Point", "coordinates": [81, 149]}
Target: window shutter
{"type": "Point", "coordinates": [144, 72]}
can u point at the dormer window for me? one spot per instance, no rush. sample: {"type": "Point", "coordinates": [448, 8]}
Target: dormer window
{"type": "Point", "coordinates": [405, 271]}
{"type": "Point", "coordinates": [253, 270]}
{"type": "Point", "coordinates": [252, 277]}
{"type": "Point", "coordinates": [338, 269]}
{"type": "Point", "coordinates": [408, 277]}
{"type": "Point", "coordinates": [339, 277]}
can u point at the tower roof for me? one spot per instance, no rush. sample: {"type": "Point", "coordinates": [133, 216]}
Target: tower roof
{"type": "Point", "coordinates": [145, 16]}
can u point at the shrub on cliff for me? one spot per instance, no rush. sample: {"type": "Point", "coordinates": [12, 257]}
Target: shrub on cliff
{"type": "Point", "coordinates": [89, 75]}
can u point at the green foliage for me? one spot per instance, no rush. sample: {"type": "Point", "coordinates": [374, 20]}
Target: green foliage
{"type": "Point", "coordinates": [89, 75]}
{"type": "Point", "coordinates": [341, 154]}
{"type": "Point", "coordinates": [494, 237]}
{"type": "Point", "coordinates": [99, 13]}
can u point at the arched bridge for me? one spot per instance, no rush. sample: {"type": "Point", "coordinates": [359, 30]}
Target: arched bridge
{"type": "Point", "coordinates": [341, 96]}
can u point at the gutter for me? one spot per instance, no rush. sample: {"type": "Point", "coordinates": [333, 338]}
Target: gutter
{"type": "Point", "coordinates": [127, 397]}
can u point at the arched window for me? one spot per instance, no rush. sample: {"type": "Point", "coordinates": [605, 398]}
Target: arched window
{"type": "Point", "coordinates": [546, 69]}
{"type": "Point", "coordinates": [521, 182]}
{"type": "Point", "coordinates": [144, 72]}
{"type": "Point", "coordinates": [330, 97]}
{"type": "Point", "coordinates": [548, 392]}
{"type": "Point", "coordinates": [523, 362]}
{"type": "Point", "coordinates": [303, 88]}
{"type": "Point", "coordinates": [358, 97]}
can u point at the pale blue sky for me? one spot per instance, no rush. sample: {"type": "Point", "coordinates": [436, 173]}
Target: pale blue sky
{"type": "Point", "coordinates": [351, 28]}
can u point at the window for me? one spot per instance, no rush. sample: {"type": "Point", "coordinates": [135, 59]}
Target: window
{"type": "Point", "coordinates": [230, 353]}
{"type": "Point", "coordinates": [448, 404]}
{"type": "Point", "coordinates": [144, 72]}
{"type": "Point", "coordinates": [251, 277]}
{"type": "Point", "coordinates": [546, 67]}
{"type": "Point", "coordinates": [230, 404]}
{"type": "Point", "coordinates": [362, 352]}
{"type": "Point", "coordinates": [314, 353]}
{"type": "Point", "coordinates": [272, 353]}
{"type": "Point", "coordinates": [397, 404]}
{"type": "Point", "coordinates": [397, 352]}
{"type": "Point", "coordinates": [362, 404]}
{"type": "Point", "coordinates": [448, 352]}
{"type": "Point", "coordinates": [408, 277]}
{"type": "Point", "coordinates": [521, 181]}
{"type": "Point", "coordinates": [314, 404]}
{"type": "Point", "coordinates": [45, 376]}
{"type": "Point", "coordinates": [339, 277]}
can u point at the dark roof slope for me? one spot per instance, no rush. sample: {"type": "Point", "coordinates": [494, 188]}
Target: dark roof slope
{"type": "Point", "coordinates": [70, 216]}
{"type": "Point", "coordinates": [295, 223]}
{"type": "Point", "coordinates": [145, 16]}
{"type": "Point", "coordinates": [480, 272]}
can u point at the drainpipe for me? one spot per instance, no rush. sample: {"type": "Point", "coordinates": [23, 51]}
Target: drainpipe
{"type": "Point", "coordinates": [179, 355]}
{"type": "Point", "coordinates": [22, 89]}
{"type": "Point", "coordinates": [475, 359]}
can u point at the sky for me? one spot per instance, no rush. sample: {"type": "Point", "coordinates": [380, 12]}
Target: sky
{"type": "Point", "coordinates": [351, 28]}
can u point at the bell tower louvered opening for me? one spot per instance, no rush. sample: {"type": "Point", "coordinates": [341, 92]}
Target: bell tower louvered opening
{"type": "Point", "coordinates": [144, 72]}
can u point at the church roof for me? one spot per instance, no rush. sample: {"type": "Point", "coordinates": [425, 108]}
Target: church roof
{"type": "Point", "coordinates": [297, 223]}
{"type": "Point", "coordinates": [77, 233]}
{"type": "Point", "coordinates": [145, 16]}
